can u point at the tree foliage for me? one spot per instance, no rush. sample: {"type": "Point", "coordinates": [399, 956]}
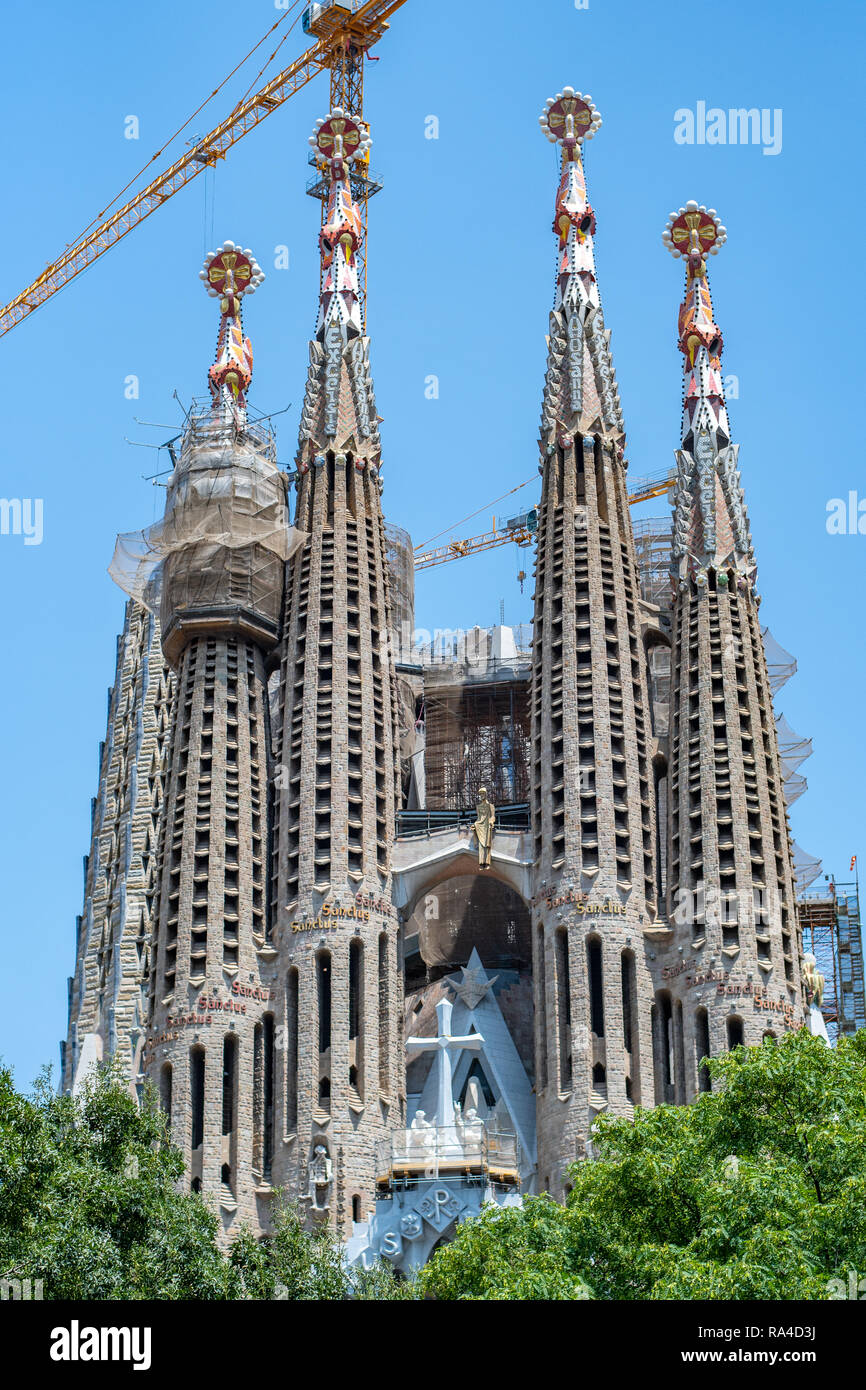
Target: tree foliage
{"type": "Point", "coordinates": [91, 1203]}
{"type": "Point", "coordinates": [756, 1191]}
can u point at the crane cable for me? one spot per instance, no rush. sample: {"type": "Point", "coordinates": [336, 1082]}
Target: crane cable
{"type": "Point", "coordinates": [472, 514]}
{"type": "Point", "coordinates": [191, 118]}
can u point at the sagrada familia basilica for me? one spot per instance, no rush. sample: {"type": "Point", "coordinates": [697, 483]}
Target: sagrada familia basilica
{"type": "Point", "coordinates": [388, 926]}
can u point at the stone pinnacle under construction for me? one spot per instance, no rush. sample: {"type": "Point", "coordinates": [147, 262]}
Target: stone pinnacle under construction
{"type": "Point", "coordinates": [730, 879]}
{"type": "Point", "coordinates": [221, 547]}
{"type": "Point", "coordinates": [335, 801]}
{"type": "Point", "coordinates": [593, 814]}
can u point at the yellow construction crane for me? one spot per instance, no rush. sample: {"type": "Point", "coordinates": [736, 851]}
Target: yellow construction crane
{"type": "Point", "coordinates": [343, 37]}
{"type": "Point", "coordinates": [520, 530]}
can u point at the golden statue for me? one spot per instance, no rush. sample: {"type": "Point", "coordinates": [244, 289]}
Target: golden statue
{"type": "Point", "coordinates": [484, 827]}
{"type": "Point", "coordinates": [813, 981]}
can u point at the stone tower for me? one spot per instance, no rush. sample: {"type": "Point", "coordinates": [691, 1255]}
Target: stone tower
{"type": "Point", "coordinates": [108, 994]}
{"type": "Point", "coordinates": [221, 550]}
{"type": "Point", "coordinates": [342, 1082]}
{"type": "Point", "coordinates": [593, 813]}
{"type": "Point", "coordinates": [730, 881]}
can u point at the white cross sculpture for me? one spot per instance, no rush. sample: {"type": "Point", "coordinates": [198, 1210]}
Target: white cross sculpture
{"type": "Point", "coordinates": [443, 1046]}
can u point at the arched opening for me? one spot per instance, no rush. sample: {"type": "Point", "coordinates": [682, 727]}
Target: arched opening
{"type": "Point", "coordinates": [663, 1047]}
{"type": "Point", "coordinates": [196, 1096]}
{"type": "Point", "coordinates": [595, 973]}
{"type": "Point", "coordinates": [702, 1049]}
{"type": "Point", "coordinates": [384, 1015]}
{"type": "Point", "coordinates": [734, 1027]}
{"type": "Point", "coordinates": [323, 997]}
{"type": "Point", "coordinates": [292, 1022]}
{"type": "Point", "coordinates": [356, 1016]}
{"type": "Point", "coordinates": [165, 1091]}
{"type": "Point", "coordinates": [230, 1050]}
{"type": "Point", "coordinates": [458, 914]}
{"type": "Point", "coordinates": [563, 1004]}
{"type": "Point", "coordinates": [631, 1041]}
{"type": "Point", "coordinates": [263, 1096]}
{"type": "Point", "coordinates": [454, 918]}
{"type": "Point", "coordinates": [541, 995]}
{"type": "Point", "coordinates": [679, 1055]}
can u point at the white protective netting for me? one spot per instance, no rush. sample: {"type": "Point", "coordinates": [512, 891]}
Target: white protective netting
{"type": "Point", "coordinates": [793, 787]}
{"type": "Point", "coordinates": [225, 535]}
{"type": "Point", "coordinates": [793, 750]}
{"type": "Point", "coordinates": [806, 867]}
{"type": "Point", "coordinates": [781, 665]}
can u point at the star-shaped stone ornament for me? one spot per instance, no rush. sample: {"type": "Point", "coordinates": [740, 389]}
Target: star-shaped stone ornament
{"type": "Point", "coordinates": [473, 986]}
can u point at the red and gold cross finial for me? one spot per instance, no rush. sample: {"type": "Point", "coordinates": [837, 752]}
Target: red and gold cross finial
{"type": "Point", "coordinates": [230, 273]}
{"type": "Point", "coordinates": [340, 137]}
{"type": "Point", "coordinates": [568, 119]}
{"type": "Point", "coordinates": [694, 233]}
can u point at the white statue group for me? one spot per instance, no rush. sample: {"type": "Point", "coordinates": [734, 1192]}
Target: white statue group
{"type": "Point", "coordinates": [464, 1136]}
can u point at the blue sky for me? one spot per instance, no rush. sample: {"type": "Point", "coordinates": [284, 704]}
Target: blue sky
{"type": "Point", "coordinates": [461, 281]}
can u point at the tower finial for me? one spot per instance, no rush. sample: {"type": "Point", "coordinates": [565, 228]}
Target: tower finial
{"type": "Point", "coordinates": [711, 529]}
{"type": "Point", "coordinates": [230, 273]}
{"type": "Point", "coordinates": [340, 138]}
{"type": "Point", "coordinates": [589, 401]}
{"type": "Point", "coordinates": [568, 119]}
{"type": "Point", "coordinates": [693, 234]}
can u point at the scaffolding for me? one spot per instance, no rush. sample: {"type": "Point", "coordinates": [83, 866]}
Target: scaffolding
{"type": "Point", "coordinates": [225, 535]}
{"type": "Point", "coordinates": [399, 557]}
{"type": "Point", "coordinates": [830, 922]}
{"type": "Point", "coordinates": [652, 545]}
{"type": "Point", "coordinates": [447, 1152]}
{"type": "Point", "coordinates": [477, 718]}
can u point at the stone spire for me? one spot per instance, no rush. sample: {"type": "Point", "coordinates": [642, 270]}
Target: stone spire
{"type": "Point", "coordinates": [580, 388]}
{"type": "Point", "coordinates": [710, 523]}
{"type": "Point", "coordinates": [335, 802]}
{"type": "Point", "coordinates": [220, 550]}
{"type": "Point", "coordinates": [730, 973]}
{"type": "Point", "coordinates": [229, 274]}
{"type": "Point", "coordinates": [593, 809]}
{"type": "Point", "coordinates": [339, 409]}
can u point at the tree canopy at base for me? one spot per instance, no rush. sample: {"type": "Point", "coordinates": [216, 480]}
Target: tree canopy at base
{"type": "Point", "coordinates": [91, 1204]}
{"type": "Point", "coordinates": [755, 1191]}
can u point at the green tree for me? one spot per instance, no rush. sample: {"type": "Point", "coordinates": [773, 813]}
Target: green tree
{"type": "Point", "coordinates": [293, 1264]}
{"type": "Point", "coordinates": [92, 1203]}
{"type": "Point", "coordinates": [508, 1253]}
{"type": "Point", "coordinates": [756, 1191]}
{"type": "Point", "coordinates": [89, 1199]}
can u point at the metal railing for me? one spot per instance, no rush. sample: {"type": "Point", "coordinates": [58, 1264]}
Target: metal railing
{"type": "Point", "coordinates": [436, 1151]}
{"type": "Point", "coordinates": [508, 817]}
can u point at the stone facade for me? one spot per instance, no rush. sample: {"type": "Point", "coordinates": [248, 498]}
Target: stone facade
{"type": "Point", "coordinates": [334, 808]}
{"type": "Point", "coordinates": [108, 1005]}
{"type": "Point", "coordinates": [731, 971]}
{"type": "Point", "coordinates": [595, 893]}
{"type": "Point", "coordinates": [284, 881]}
